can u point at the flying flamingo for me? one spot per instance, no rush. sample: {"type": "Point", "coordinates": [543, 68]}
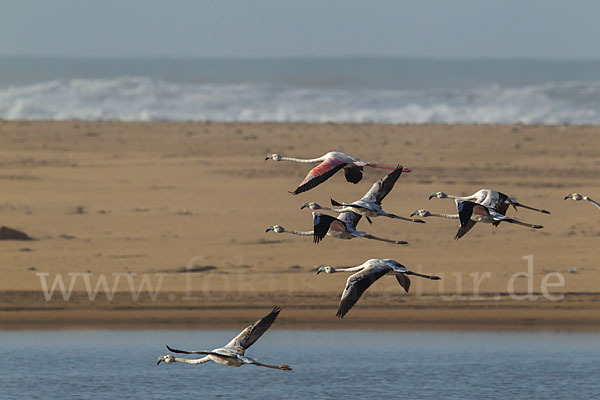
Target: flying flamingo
{"type": "Point", "coordinates": [498, 201]}
{"type": "Point", "coordinates": [369, 205]}
{"type": "Point", "coordinates": [330, 163]}
{"type": "Point", "coordinates": [342, 228]}
{"type": "Point", "coordinates": [232, 354]}
{"type": "Point", "coordinates": [470, 213]}
{"type": "Point", "coordinates": [577, 196]}
{"type": "Point", "coordinates": [365, 275]}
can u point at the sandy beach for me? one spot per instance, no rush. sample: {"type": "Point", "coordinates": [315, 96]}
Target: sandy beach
{"type": "Point", "coordinates": [141, 203]}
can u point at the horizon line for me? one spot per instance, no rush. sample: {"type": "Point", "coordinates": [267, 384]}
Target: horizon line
{"type": "Point", "coordinates": [299, 57]}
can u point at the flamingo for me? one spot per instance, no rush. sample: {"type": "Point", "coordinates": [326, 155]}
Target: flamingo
{"type": "Point", "coordinates": [367, 273]}
{"type": "Point", "coordinates": [330, 163]}
{"type": "Point", "coordinates": [577, 196]}
{"type": "Point", "coordinates": [469, 213]}
{"type": "Point", "coordinates": [498, 201]}
{"type": "Point", "coordinates": [232, 354]}
{"type": "Point", "coordinates": [369, 205]}
{"type": "Point", "coordinates": [344, 227]}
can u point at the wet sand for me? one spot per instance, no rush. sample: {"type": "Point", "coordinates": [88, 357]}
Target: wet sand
{"type": "Point", "coordinates": [137, 203]}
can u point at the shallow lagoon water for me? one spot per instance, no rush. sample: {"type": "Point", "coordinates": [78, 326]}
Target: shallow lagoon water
{"type": "Point", "coordinates": [335, 364]}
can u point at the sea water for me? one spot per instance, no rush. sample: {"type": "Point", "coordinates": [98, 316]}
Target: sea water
{"type": "Point", "coordinates": [327, 364]}
{"type": "Point", "coordinates": [388, 90]}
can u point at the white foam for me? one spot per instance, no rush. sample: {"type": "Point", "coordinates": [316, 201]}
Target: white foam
{"type": "Point", "coordinates": [139, 98]}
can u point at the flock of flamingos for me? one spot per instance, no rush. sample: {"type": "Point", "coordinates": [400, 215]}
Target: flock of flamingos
{"type": "Point", "coordinates": [485, 205]}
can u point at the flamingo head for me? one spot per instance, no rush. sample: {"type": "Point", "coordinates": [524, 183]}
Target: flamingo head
{"type": "Point", "coordinates": [168, 359]}
{"type": "Point", "coordinates": [275, 157]}
{"type": "Point", "coordinates": [312, 206]}
{"type": "Point", "coordinates": [439, 195]}
{"type": "Point", "coordinates": [329, 270]}
{"type": "Point", "coordinates": [275, 228]}
{"type": "Point", "coordinates": [574, 196]}
{"type": "Point", "coordinates": [421, 213]}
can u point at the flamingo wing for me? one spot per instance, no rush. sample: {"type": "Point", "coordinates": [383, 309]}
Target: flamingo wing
{"type": "Point", "coordinates": [382, 187]}
{"type": "Point", "coordinates": [320, 174]}
{"type": "Point", "coordinates": [357, 284]}
{"type": "Point", "coordinates": [504, 203]}
{"type": "Point", "coordinates": [404, 281]}
{"type": "Point", "coordinates": [321, 223]}
{"type": "Point", "coordinates": [465, 211]}
{"type": "Point", "coordinates": [462, 231]}
{"type": "Point", "coordinates": [252, 333]}
{"type": "Point", "coordinates": [353, 173]}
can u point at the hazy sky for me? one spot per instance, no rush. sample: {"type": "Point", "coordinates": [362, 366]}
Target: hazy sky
{"type": "Point", "coordinates": [551, 29]}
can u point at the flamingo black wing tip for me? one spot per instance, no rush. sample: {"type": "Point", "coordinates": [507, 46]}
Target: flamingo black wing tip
{"type": "Point", "coordinates": [176, 351]}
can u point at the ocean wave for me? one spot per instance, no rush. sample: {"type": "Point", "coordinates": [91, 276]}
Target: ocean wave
{"type": "Point", "coordinates": [145, 99]}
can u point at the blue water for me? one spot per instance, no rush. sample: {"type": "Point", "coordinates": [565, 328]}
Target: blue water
{"type": "Point", "coordinates": [328, 364]}
{"type": "Point", "coordinates": [387, 90]}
